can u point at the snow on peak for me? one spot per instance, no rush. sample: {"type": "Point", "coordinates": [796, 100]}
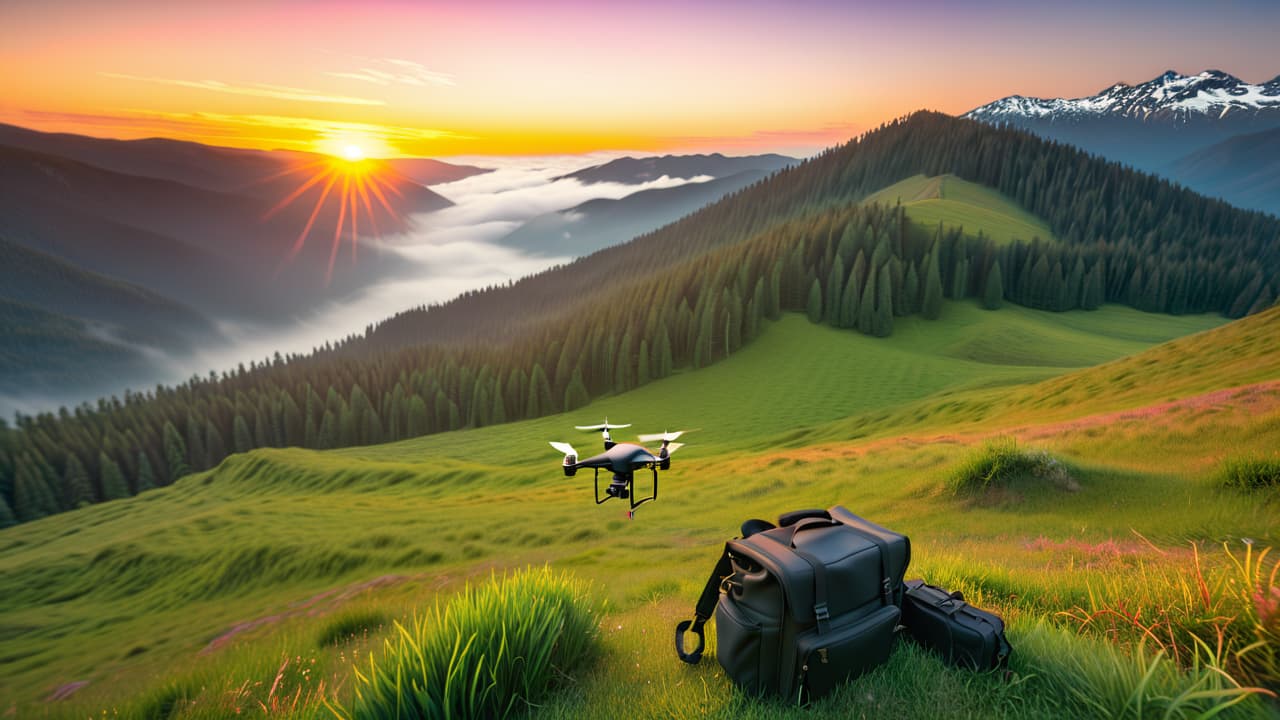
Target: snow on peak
{"type": "Point", "coordinates": [1212, 92]}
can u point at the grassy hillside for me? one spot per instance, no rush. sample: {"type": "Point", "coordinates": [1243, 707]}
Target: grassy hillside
{"type": "Point", "coordinates": [954, 202]}
{"type": "Point", "coordinates": [232, 577]}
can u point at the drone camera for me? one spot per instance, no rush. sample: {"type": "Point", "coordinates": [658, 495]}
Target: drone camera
{"type": "Point", "coordinates": [618, 489]}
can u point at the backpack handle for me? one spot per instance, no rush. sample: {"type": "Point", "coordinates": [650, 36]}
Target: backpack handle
{"type": "Point", "coordinates": [795, 516]}
{"type": "Point", "coordinates": [806, 524]}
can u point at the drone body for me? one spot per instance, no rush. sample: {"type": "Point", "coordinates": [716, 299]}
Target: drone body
{"type": "Point", "coordinates": [622, 459]}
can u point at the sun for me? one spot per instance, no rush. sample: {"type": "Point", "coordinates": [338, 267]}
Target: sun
{"type": "Point", "coordinates": [352, 153]}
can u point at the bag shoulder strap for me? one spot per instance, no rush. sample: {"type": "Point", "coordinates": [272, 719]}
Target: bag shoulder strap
{"type": "Point", "coordinates": [704, 609]}
{"type": "Point", "coordinates": [886, 583]}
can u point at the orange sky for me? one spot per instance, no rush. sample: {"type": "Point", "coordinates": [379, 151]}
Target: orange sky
{"type": "Point", "coordinates": [478, 78]}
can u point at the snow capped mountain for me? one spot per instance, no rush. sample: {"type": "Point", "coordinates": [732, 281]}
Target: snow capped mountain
{"type": "Point", "coordinates": [1212, 93]}
{"type": "Point", "coordinates": [1150, 125]}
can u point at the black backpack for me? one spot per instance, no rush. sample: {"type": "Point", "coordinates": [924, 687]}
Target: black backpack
{"type": "Point", "coordinates": [804, 606]}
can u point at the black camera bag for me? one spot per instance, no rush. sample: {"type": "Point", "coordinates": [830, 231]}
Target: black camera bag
{"type": "Point", "coordinates": [963, 634]}
{"type": "Point", "coordinates": [802, 607]}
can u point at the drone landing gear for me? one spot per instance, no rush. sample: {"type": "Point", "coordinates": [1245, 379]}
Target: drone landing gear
{"type": "Point", "coordinates": [623, 487]}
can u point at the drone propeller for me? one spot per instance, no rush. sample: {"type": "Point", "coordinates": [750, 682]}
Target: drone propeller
{"type": "Point", "coordinates": [673, 447]}
{"type": "Point", "coordinates": [664, 436]}
{"type": "Point", "coordinates": [603, 426]}
{"type": "Point", "coordinates": [564, 448]}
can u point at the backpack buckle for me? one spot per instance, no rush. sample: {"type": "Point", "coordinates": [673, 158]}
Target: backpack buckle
{"type": "Point", "coordinates": [822, 614]}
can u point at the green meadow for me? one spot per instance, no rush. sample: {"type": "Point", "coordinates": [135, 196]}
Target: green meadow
{"type": "Point", "coordinates": [953, 202]}
{"type": "Point", "coordinates": [261, 586]}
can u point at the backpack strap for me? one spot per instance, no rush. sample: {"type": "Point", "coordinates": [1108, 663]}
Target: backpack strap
{"type": "Point", "coordinates": [705, 608]}
{"type": "Point", "coordinates": [886, 583]}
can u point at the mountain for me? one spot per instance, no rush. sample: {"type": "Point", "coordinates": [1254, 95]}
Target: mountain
{"type": "Point", "coordinates": [634, 171]}
{"type": "Point", "coordinates": [600, 223]}
{"type": "Point", "coordinates": [203, 166]}
{"type": "Point", "coordinates": [1244, 170]}
{"type": "Point", "coordinates": [433, 172]}
{"type": "Point", "coordinates": [1148, 125]}
{"type": "Point", "coordinates": [130, 312]}
{"type": "Point", "coordinates": [43, 352]}
{"type": "Point", "coordinates": [69, 331]}
{"type": "Point", "coordinates": [223, 252]}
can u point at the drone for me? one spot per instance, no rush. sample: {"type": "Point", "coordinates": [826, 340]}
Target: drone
{"type": "Point", "coordinates": [623, 459]}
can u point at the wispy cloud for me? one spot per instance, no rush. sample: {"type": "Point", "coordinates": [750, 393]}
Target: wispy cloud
{"type": "Point", "coordinates": [278, 92]}
{"type": "Point", "coordinates": [793, 140]}
{"type": "Point", "coordinates": [394, 71]}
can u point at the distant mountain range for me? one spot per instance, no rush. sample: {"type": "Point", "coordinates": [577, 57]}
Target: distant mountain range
{"type": "Point", "coordinates": [601, 223]}
{"type": "Point", "coordinates": [1244, 170]}
{"type": "Point", "coordinates": [114, 248]}
{"type": "Point", "coordinates": [634, 171]}
{"type": "Point", "coordinates": [1162, 125]}
{"type": "Point", "coordinates": [597, 224]}
{"type": "Point", "coordinates": [433, 172]}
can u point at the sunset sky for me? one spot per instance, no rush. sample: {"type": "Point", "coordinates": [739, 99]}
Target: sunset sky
{"type": "Point", "coordinates": [558, 76]}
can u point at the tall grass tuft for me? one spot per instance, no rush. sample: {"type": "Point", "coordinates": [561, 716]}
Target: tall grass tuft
{"type": "Point", "coordinates": [1101, 680]}
{"type": "Point", "coordinates": [1250, 473]}
{"type": "Point", "coordinates": [1230, 610]}
{"type": "Point", "coordinates": [1002, 464]}
{"type": "Point", "coordinates": [489, 652]}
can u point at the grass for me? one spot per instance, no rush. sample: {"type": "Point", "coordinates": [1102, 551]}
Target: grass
{"type": "Point", "coordinates": [1002, 465]}
{"type": "Point", "coordinates": [491, 652]}
{"type": "Point", "coordinates": [201, 592]}
{"type": "Point", "coordinates": [953, 202]}
{"type": "Point", "coordinates": [1251, 473]}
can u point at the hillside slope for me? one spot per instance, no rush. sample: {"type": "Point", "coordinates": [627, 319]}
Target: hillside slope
{"type": "Point", "coordinates": [951, 202]}
{"type": "Point", "coordinates": [209, 574]}
{"type": "Point", "coordinates": [699, 290]}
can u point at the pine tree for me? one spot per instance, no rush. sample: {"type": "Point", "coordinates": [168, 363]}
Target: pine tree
{"type": "Point", "coordinates": [642, 365]}
{"type": "Point", "coordinates": [214, 447]}
{"type": "Point", "coordinates": [146, 475]}
{"type": "Point", "coordinates": [7, 517]}
{"type": "Point", "coordinates": [79, 490]}
{"type": "Point", "coordinates": [417, 424]}
{"type": "Point", "coordinates": [835, 290]}
{"type": "Point", "coordinates": [883, 324]}
{"type": "Point", "coordinates": [993, 293]}
{"type": "Point", "coordinates": [196, 455]}
{"type": "Point", "coordinates": [498, 413]}
{"type": "Point", "coordinates": [114, 486]}
{"type": "Point", "coordinates": [575, 395]}
{"type": "Point", "coordinates": [32, 497]}
{"type": "Point", "coordinates": [539, 402]}
{"type": "Point", "coordinates": [867, 305]}
{"type": "Point", "coordinates": [814, 306]}
{"type": "Point", "coordinates": [910, 292]}
{"type": "Point", "coordinates": [294, 427]}
{"type": "Point", "coordinates": [348, 433]}
{"type": "Point", "coordinates": [665, 361]}
{"type": "Point", "coordinates": [175, 452]}
{"type": "Point", "coordinates": [241, 439]}
{"type": "Point", "coordinates": [931, 307]}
